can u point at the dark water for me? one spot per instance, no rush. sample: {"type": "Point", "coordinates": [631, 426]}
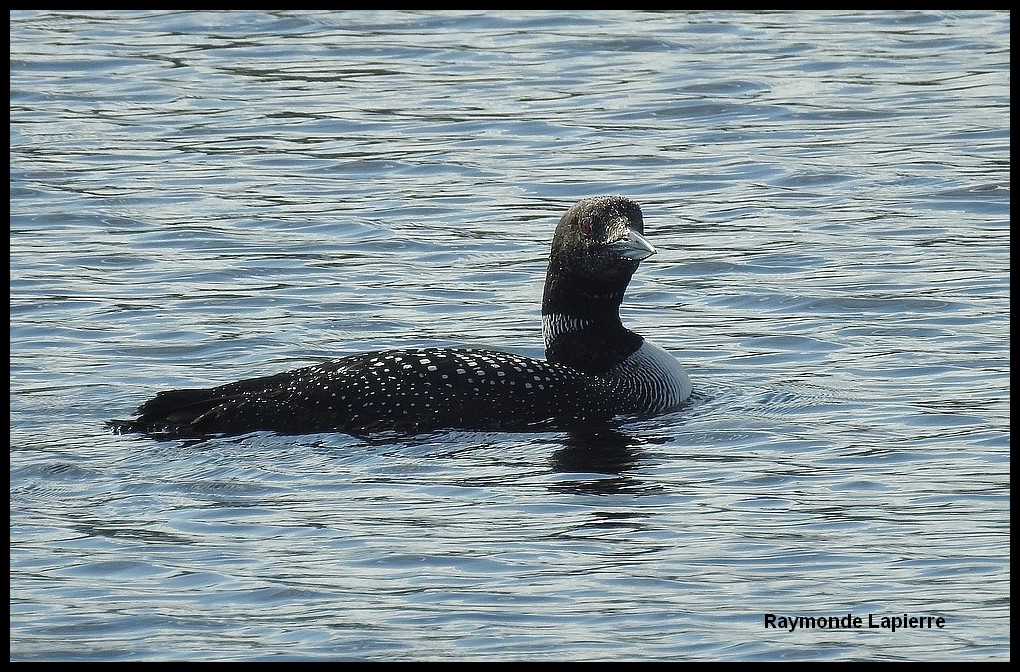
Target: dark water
{"type": "Point", "coordinates": [200, 197]}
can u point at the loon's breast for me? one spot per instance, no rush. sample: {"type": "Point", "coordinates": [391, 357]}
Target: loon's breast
{"type": "Point", "coordinates": [643, 378]}
{"type": "Point", "coordinates": [652, 379]}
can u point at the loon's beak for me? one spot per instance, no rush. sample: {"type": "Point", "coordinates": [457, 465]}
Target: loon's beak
{"type": "Point", "coordinates": [633, 246]}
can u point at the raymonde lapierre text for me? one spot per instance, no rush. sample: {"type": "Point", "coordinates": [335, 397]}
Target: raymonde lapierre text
{"type": "Point", "coordinates": [851, 622]}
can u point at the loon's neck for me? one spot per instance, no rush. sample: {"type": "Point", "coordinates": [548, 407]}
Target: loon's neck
{"type": "Point", "coordinates": [587, 345]}
{"type": "Point", "coordinates": [581, 319]}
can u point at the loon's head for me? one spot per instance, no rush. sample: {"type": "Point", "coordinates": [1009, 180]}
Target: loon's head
{"type": "Point", "coordinates": [597, 246]}
{"type": "Point", "coordinates": [601, 235]}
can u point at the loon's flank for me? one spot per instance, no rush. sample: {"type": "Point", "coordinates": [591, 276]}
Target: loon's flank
{"type": "Point", "coordinates": [595, 369]}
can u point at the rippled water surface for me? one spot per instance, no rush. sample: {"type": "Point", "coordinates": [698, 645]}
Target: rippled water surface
{"type": "Point", "coordinates": [201, 197]}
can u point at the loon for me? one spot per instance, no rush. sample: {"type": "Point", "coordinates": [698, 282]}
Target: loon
{"type": "Point", "coordinates": [595, 369]}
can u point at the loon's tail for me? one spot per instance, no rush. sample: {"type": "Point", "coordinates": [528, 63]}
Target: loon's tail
{"type": "Point", "coordinates": [171, 413]}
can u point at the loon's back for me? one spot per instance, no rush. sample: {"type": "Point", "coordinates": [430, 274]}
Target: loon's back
{"type": "Point", "coordinates": [405, 390]}
{"type": "Point", "coordinates": [595, 368]}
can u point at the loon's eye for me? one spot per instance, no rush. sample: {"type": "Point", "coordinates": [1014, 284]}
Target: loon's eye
{"type": "Point", "coordinates": [586, 226]}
